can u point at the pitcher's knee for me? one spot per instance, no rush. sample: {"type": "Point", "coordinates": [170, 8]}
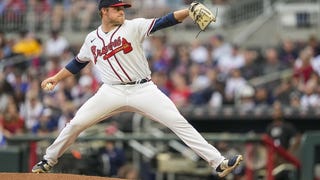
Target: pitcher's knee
{"type": "Point", "coordinates": [179, 122]}
{"type": "Point", "coordinates": [75, 127]}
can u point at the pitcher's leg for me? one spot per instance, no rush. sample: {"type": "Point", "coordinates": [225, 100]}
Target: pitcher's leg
{"type": "Point", "coordinates": [160, 108]}
{"type": "Point", "coordinates": [182, 128]}
{"type": "Point", "coordinates": [188, 134]}
{"type": "Point", "coordinates": [91, 112]}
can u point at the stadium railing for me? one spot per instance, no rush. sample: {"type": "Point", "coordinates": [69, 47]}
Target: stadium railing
{"type": "Point", "coordinates": [307, 149]}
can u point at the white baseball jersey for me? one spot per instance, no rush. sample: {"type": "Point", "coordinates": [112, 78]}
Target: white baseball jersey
{"type": "Point", "coordinates": [118, 54]}
{"type": "Point", "coordinates": [119, 57]}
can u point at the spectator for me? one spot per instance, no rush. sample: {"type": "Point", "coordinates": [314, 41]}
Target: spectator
{"type": "Point", "coordinates": [197, 77]}
{"type": "Point", "coordinates": [219, 48]}
{"type": "Point", "coordinates": [46, 124]}
{"type": "Point", "coordinates": [13, 123]}
{"type": "Point", "coordinates": [88, 72]}
{"type": "Point", "coordinates": [182, 61]}
{"type": "Point", "coordinates": [314, 44]}
{"type": "Point", "coordinates": [261, 96]}
{"type": "Point", "coordinates": [288, 52]}
{"type": "Point", "coordinates": [20, 85]}
{"type": "Point", "coordinates": [68, 111]}
{"type": "Point", "coordinates": [310, 98]}
{"type": "Point", "coordinates": [283, 91]}
{"type": "Point", "coordinates": [53, 65]}
{"type": "Point", "coordinates": [245, 99]}
{"type": "Point", "coordinates": [180, 91]}
{"type": "Point", "coordinates": [161, 80]}
{"type": "Point", "coordinates": [113, 158]}
{"type": "Point", "coordinates": [5, 49]}
{"type": "Point", "coordinates": [27, 45]}
{"type": "Point", "coordinates": [162, 54]}
{"type": "Point", "coordinates": [303, 68]}
{"type": "Point", "coordinates": [199, 53]}
{"type": "Point", "coordinates": [215, 90]}
{"type": "Point", "coordinates": [159, 63]}
{"type": "Point", "coordinates": [71, 91]}
{"type": "Point", "coordinates": [49, 99]}
{"type": "Point", "coordinates": [228, 62]}
{"type": "Point", "coordinates": [272, 62]}
{"type": "Point", "coordinates": [199, 85]}
{"type": "Point", "coordinates": [284, 134]}
{"type": "Point", "coordinates": [251, 67]}
{"type": "Point", "coordinates": [66, 56]}
{"type": "Point", "coordinates": [56, 44]}
{"type": "Point", "coordinates": [233, 84]}
{"type": "Point", "coordinates": [33, 108]}
{"type": "Point", "coordinates": [77, 93]}
{"type": "Point", "coordinates": [295, 101]}
{"type": "Point", "coordinates": [271, 66]}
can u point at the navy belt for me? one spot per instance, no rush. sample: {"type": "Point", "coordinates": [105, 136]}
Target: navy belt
{"type": "Point", "coordinates": [140, 81]}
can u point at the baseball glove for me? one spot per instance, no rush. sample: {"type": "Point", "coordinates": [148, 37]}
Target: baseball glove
{"type": "Point", "coordinates": [201, 15]}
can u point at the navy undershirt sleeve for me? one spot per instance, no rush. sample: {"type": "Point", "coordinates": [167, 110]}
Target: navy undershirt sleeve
{"type": "Point", "coordinates": [75, 66]}
{"type": "Point", "coordinates": [163, 22]}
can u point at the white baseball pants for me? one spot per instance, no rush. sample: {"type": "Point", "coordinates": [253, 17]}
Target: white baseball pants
{"type": "Point", "coordinates": [146, 99]}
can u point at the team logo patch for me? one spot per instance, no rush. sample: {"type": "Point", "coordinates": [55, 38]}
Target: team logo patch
{"type": "Point", "coordinates": [119, 44]}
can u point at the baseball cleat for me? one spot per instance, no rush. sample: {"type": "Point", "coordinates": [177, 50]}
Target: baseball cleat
{"type": "Point", "coordinates": [228, 165]}
{"type": "Point", "coordinates": [41, 167]}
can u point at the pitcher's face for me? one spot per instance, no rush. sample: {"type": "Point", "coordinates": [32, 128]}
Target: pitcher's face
{"type": "Point", "coordinates": [115, 15]}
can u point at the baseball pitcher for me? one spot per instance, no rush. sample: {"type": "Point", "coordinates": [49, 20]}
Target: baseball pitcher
{"type": "Point", "coordinates": [115, 49]}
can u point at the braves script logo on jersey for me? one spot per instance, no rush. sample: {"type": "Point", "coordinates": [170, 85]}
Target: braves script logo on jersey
{"type": "Point", "coordinates": [119, 44]}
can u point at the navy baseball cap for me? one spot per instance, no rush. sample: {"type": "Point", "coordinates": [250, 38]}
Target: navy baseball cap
{"type": "Point", "coordinates": [113, 3]}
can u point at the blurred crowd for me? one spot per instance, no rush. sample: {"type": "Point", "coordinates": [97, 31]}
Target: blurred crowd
{"type": "Point", "coordinates": [213, 73]}
{"type": "Point", "coordinates": [77, 15]}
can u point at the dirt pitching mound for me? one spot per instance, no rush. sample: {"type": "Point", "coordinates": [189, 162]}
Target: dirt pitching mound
{"type": "Point", "coordinates": [49, 176]}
